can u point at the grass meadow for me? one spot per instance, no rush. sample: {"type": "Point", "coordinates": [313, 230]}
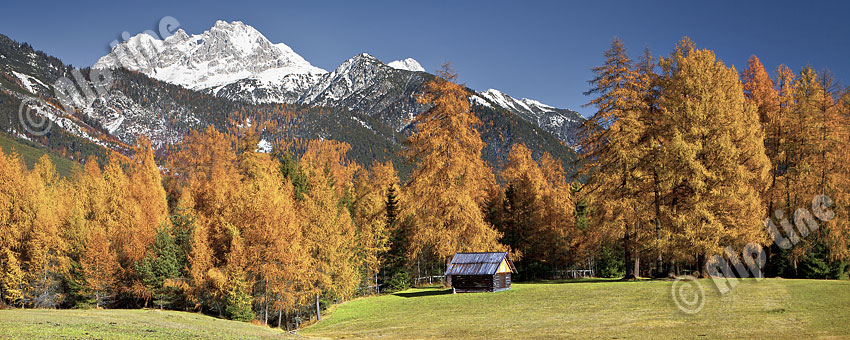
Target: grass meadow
{"type": "Point", "coordinates": [588, 309]}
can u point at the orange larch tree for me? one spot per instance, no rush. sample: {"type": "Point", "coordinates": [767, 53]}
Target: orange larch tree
{"type": "Point", "coordinates": [450, 181]}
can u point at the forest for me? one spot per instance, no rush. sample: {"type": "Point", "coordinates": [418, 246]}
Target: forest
{"type": "Point", "coordinates": [683, 157]}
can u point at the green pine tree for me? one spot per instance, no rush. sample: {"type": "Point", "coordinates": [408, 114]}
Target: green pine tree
{"type": "Point", "coordinates": [160, 265]}
{"type": "Point", "coordinates": [238, 300]}
{"type": "Point", "coordinates": [292, 171]}
{"type": "Point", "coordinates": [392, 206]}
{"type": "Point", "coordinates": [183, 225]}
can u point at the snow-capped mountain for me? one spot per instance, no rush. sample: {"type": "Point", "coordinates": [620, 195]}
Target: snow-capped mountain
{"type": "Point", "coordinates": [226, 53]}
{"type": "Point", "coordinates": [408, 64]}
{"type": "Point", "coordinates": [363, 102]}
{"type": "Point", "coordinates": [560, 122]}
{"type": "Point", "coordinates": [367, 85]}
{"type": "Point", "coordinates": [235, 61]}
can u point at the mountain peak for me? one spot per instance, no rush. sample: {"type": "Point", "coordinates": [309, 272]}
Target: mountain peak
{"type": "Point", "coordinates": [229, 25]}
{"type": "Point", "coordinates": [408, 64]}
{"type": "Point", "coordinates": [227, 52]}
{"type": "Point", "coordinates": [364, 55]}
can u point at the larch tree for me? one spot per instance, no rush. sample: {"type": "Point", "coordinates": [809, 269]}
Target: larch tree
{"type": "Point", "coordinates": [818, 164]}
{"type": "Point", "coordinates": [147, 192]}
{"type": "Point", "coordinates": [370, 216]}
{"type": "Point", "coordinates": [116, 215]}
{"type": "Point", "coordinates": [43, 249]}
{"type": "Point", "coordinates": [834, 127]}
{"type": "Point", "coordinates": [840, 229]}
{"type": "Point", "coordinates": [613, 149]}
{"type": "Point", "coordinates": [521, 210]}
{"type": "Point", "coordinates": [536, 211]}
{"type": "Point", "coordinates": [560, 218]}
{"type": "Point", "coordinates": [761, 92]}
{"type": "Point", "coordinates": [204, 170]}
{"type": "Point", "coordinates": [328, 229]}
{"type": "Point", "coordinates": [655, 134]}
{"type": "Point", "coordinates": [12, 179]}
{"type": "Point", "coordinates": [277, 260]}
{"type": "Point", "coordinates": [786, 136]}
{"type": "Point", "coordinates": [99, 265]}
{"type": "Point", "coordinates": [149, 214]}
{"type": "Point", "coordinates": [714, 161]}
{"type": "Point", "coordinates": [450, 180]}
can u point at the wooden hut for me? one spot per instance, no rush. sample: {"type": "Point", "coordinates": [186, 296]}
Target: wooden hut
{"type": "Point", "coordinates": [480, 272]}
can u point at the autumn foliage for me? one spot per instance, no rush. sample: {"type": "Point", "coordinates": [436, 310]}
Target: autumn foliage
{"type": "Point", "coordinates": [685, 157]}
{"type": "Point", "coordinates": [682, 157]}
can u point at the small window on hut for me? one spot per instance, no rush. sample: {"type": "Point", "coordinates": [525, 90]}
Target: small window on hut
{"type": "Point", "coordinates": [504, 267]}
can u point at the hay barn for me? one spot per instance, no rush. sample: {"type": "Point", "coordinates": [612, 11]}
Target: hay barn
{"type": "Point", "coordinates": [480, 272]}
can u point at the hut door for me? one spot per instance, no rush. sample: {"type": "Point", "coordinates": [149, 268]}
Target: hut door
{"type": "Point", "coordinates": [502, 283]}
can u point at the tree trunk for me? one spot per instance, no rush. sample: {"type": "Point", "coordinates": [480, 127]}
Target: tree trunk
{"type": "Point", "coordinates": [279, 317]}
{"type": "Point", "coordinates": [318, 310]}
{"type": "Point", "coordinates": [659, 262]}
{"type": "Point", "coordinates": [637, 266]}
{"type": "Point", "coordinates": [627, 254]}
{"type": "Point", "coordinates": [266, 303]}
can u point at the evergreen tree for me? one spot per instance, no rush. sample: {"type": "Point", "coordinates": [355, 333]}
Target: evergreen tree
{"type": "Point", "coordinates": [183, 226]}
{"type": "Point", "coordinates": [392, 205]}
{"type": "Point", "coordinates": [160, 267]}
{"type": "Point", "coordinates": [292, 172]}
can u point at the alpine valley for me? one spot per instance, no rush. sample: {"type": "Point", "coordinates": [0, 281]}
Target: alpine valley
{"type": "Point", "coordinates": [165, 88]}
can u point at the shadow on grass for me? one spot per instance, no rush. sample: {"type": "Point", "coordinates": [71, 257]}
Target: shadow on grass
{"type": "Point", "coordinates": [424, 293]}
{"type": "Point", "coordinates": [585, 280]}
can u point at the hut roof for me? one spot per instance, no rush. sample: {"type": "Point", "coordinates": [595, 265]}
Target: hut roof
{"type": "Point", "coordinates": [478, 263]}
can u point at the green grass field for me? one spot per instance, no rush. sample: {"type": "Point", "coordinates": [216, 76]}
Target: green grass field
{"type": "Point", "coordinates": [599, 309]}
{"type": "Point", "coordinates": [31, 155]}
{"type": "Point", "coordinates": [769, 309]}
{"type": "Point", "coordinates": [126, 324]}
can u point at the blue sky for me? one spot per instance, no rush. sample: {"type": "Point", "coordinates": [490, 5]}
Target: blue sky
{"type": "Point", "coordinates": [536, 49]}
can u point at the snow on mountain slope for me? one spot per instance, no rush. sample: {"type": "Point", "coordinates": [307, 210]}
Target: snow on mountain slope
{"type": "Point", "coordinates": [363, 102]}
{"type": "Point", "coordinates": [226, 53]}
{"type": "Point", "coordinates": [235, 61]}
{"type": "Point", "coordinates": [366, 85]}
{"type": "Point", "coordinates": [563, 123]}
{"type": "Point", "coordinates": [408, 64]}
{"type": "Point", "coordinates": [29, 82]}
